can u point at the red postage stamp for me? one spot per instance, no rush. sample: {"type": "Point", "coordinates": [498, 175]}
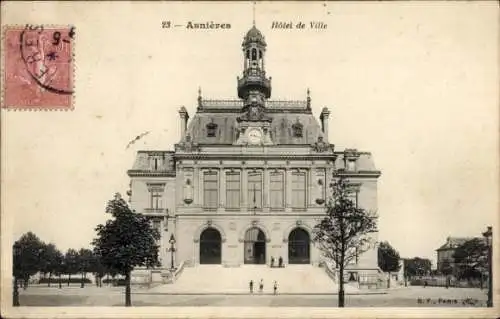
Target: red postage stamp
{"type": "Point", "coordinates": [38, 67]}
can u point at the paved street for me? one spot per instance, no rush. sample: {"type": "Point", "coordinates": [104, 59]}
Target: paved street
{"type": "Point", "coordinates": [114, 296]}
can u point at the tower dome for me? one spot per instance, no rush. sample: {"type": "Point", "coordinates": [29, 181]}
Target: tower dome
{"type": "Point", "coordinates": [254, 36]}
{"type": "Point", "coordinates": [254, 86]}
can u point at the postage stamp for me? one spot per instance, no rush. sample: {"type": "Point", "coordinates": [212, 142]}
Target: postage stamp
{"type": "Point", "coordinates": [38, 67]}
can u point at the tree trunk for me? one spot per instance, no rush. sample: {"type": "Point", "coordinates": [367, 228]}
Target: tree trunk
{"type": "Point", "coordinates": [25, 282]}
{"type": "Point", "coordinates": [128, 303]}
{"type": "Point", "coordinates": [50, 276]}
{"type": "Point", "coordinates": [341, 284]}
{"type": "Point", "coordinates": [15, 293]}
{"type": "Point", "coordinates": [60, 286]}
{"type": "Point", "coordinates": [69, 278]}
{"type": "Point", "coordinates": [82, 284]}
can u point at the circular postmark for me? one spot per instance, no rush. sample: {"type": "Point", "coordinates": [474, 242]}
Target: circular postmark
{"type": "Point", "coordinates": [47, 56]}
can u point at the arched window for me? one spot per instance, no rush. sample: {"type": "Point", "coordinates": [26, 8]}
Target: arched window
{"type": "Point", "coordinates": [298, 247]}
{"type": "Point", "coordinates": [254, 54]}
{"type": "Point", "coordinates": [210, 246]}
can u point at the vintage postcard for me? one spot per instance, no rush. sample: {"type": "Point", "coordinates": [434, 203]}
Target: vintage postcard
{"type": "Point", "coordinates": [249, 159]}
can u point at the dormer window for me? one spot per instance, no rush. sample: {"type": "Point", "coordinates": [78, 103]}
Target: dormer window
{"type": "Point", "coordinates": [297, 129]}
{"type": "Point", "coordinates": [155, 162]}
{"type": "Point", "coordinates": [351, 165]}
{"type": "Point", "coordinates": [211, 129]}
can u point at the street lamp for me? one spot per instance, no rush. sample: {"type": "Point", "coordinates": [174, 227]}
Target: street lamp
{"type": "Point", "coordinates": [172, 251]}
{"type": "Point", "coordinates": [15, 293]}
{"type": "Point", "coordinates": [63, 266]}
{"type": "Point", "coordinates": [488, 234]}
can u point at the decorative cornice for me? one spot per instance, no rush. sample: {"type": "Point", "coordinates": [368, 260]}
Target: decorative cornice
{"type": "Point", "coordinates": [359, 173]}
{"type": "Point", "coordinates": [201, 156]}
{"type": "Point", "coordinates": [269, 111]}
{"type": "Point", "coordinates": [146, 173]}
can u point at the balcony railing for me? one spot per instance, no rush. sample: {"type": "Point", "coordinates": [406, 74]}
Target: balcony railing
{"type": "Point", "coordinates": [238, 104]}
{"type": "Point", "coordinates": [155, 211]}
{"type": "Point", "coordinates": [222, 104]}
{"type": "Point", "coordinates": [283, 104]}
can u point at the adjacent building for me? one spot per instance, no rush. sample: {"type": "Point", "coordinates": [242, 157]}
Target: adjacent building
{"type": "Point", "coordinates": [249, 177]}
{"type": "Point", "coordinates": [446, 251]}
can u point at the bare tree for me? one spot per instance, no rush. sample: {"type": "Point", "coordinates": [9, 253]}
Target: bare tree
{"type": "Point", "coordinates": [344, 232]}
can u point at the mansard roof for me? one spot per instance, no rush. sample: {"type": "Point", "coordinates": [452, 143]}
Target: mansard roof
{"type": "Point", "coordinates": [364, 162]}
{"type": "Point", "coordinates": [454, 242]}
{"type": "Point", "coordinates": [145, 164]}
{"type": "Point", "coordinates": [284, 115]}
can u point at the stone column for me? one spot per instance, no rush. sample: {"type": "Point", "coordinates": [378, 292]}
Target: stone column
{"type": "Point", "coordinates": [265, 190]}
{"type": "Point", "coordinates": [200, 187]}
{"type": "Point", "coordinates": [288, 189]}
{"type": "Point", "coordinates": [196, 185]}
{"type": "Point", "coordinates": [222, 189]}
{"type": "Point", "coordinates": [244, 187]}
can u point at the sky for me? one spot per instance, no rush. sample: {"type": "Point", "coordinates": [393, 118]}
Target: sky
{"type": "Point", "coordinates": [415, 83]}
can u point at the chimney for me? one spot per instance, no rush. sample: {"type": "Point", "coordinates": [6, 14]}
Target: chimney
{"type": "Point", "coordinates": [325, 115]}
{"type": "Point", "coordinates": [184, 119]}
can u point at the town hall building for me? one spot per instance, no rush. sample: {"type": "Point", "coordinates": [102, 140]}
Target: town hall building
{"type": "Point", "coordinates": [249, 177]}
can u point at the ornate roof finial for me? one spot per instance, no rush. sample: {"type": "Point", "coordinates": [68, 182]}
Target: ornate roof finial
{"type": "Point", "coordinates": [199, 98]}
{"type": "Point", "coordinates": [308, 99]}
{"type": "Point", "coordinates": [253, 16]}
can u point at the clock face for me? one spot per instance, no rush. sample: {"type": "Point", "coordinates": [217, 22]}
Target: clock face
{"type": "Point", "coordinates": [254, 136]}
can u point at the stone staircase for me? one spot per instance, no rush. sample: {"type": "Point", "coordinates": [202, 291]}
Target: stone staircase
{"type": "Point", "coordinates": [293, 279]}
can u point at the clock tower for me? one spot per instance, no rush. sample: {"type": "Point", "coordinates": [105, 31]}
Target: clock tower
{"type": "Point", "coordinates": [254, 88]}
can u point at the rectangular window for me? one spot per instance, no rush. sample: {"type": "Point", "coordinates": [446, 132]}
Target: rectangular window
{"type": "Point", "coordinates": [156, 196]}
{"type": "Point", "coordinates": [157, 225]}
{"type": "Point", "coordinates": [255, 190]}
{"type": "Point", "coordinates": [233, 190]}
{"type": "Point", "coordinates": [353, 195]}
{"type": "Point", "coordinates": [276, 183]}
{"type": "Point", "coordinates": [299, 189]}
{"type": "Point", "coordinates": [351, 165]}
{"type": "Point", "coordinates": [210, 190]}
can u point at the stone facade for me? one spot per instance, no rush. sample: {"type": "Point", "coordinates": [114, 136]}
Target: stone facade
{"type": "Point", "coordinates": [249, 177]}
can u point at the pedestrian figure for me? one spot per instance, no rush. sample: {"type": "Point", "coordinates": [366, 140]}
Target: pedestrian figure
{"type": "Point", "coordinates": [251, 286]}
{"type": "Point", "coordinates": [425, 283]}
{"type": "Point", "coordinates": [275, 287]}
{"type": "Point", "coordinates": [272, 261]}
{"type": "Point", "coordinates": [280, 262]}
{"type": "Point", "coordinates": [261, 285]}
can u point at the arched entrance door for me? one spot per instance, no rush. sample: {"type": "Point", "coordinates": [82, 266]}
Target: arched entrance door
{"type": "Point", "coordinates": [255, 246]}
{"type": "Point", "coordinates": [298, 247]}
{"type": "Point", "coordinates": [210, 246]}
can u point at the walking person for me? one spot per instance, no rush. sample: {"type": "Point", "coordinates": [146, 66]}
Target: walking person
{"type": "Point", "coordinates": [261, 285]}
{"type": "Point", "coordinates": [272, 261]}
{"type": "Point", "coordinates": [275, 287]}
{"type": "Point", "coordinates": [280, 262]}
{"type": "Point", "coordinates": [251, 286]}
